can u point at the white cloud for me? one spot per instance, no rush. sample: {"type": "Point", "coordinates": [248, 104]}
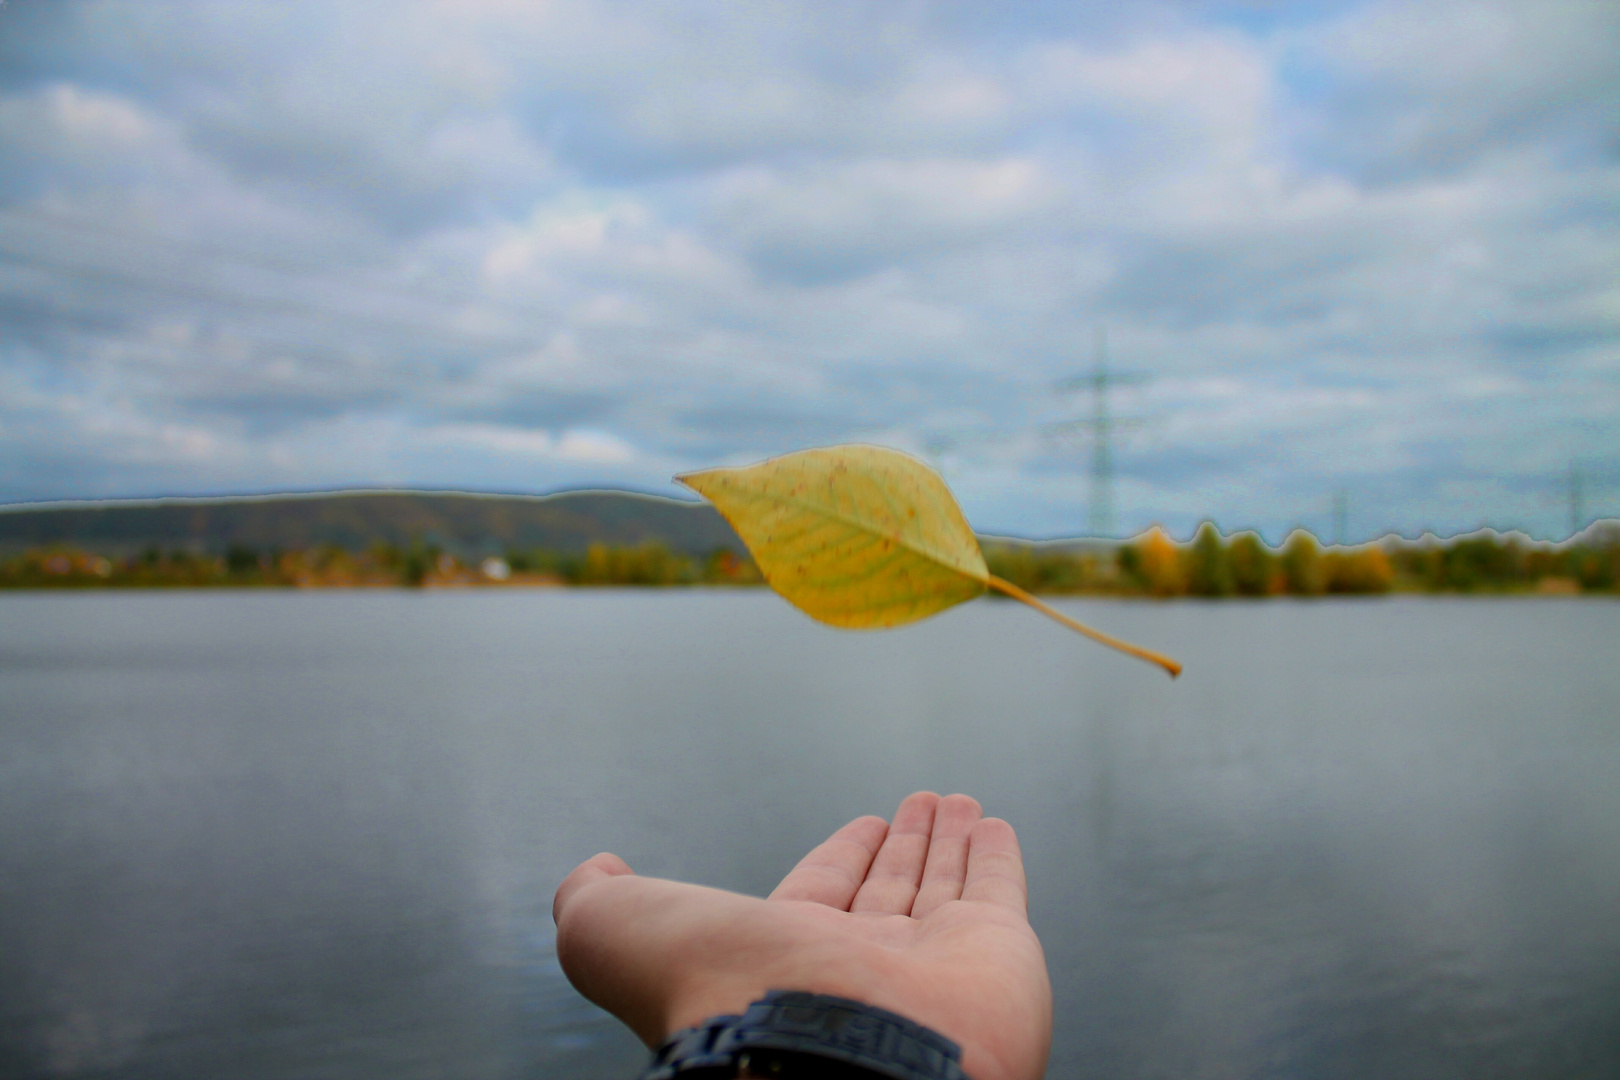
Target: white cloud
{"type": "Point", "coordinates": [97, 119]}
{"type": "Point", "coordinates": [503, 440]}
{"type": "Point", "coordinates": [63, 135]}
{"type": "Point", "coordinates": [1436, 85]}
{"type": "Point", "coordinates": [829, 222]}
{"type": "Point", "coordinates": [536, 245]}
{"type": "Point", "coordinates": [594, 446]}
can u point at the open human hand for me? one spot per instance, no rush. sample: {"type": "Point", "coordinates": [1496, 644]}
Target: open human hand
{"type": "Point", "coordinates": [925, 917]}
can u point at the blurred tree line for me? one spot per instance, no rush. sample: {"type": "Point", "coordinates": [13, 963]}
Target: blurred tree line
{"type": "Point", "coordinates": [643, 564]}
{"type": "Point", "coordinates": [1209, 565]}
{"type": "Point", "coordinates": [1213, 565]}
{"type": "Point", "coordinates": [420, 564]}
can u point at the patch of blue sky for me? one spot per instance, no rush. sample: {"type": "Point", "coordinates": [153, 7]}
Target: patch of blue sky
{"type": "Point", "coordinates": [1263, 18]}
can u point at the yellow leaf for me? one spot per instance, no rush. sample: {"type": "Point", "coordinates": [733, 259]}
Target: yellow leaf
{"type": "Point", "coordinates": [855, 536]}
{"type": "Point", "coordinates": [863, 537]}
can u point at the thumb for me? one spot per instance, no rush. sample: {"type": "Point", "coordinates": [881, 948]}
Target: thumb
{"type": "Point", "coordinates": [593, 869]}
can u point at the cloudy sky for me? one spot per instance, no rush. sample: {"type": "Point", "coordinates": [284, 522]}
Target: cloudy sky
{"type": "Point", "coordinates": [525, 245]}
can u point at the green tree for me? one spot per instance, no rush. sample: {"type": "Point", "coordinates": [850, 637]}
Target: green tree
{"type": "Point", "coordinates": [1209, 573]}
{"type": "Point", "coordinates": [1362, 570]}
{"type": "Point", "coordinates": [1251, 565]}
{"type": "Point", "coordinates": [418, 561]}
{"type": "Point", "coordinates": [1596, 568]}
{"type": "Point", "coordinates": [1302, 565]}
{"type": "Point", "coordinates": [241, 560]}
{"type": "Point", "coordinates": [645, 564]}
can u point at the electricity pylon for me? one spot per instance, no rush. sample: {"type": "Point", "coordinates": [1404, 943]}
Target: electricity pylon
{"type": "Point", "coordinates": [1577, 504]}
{"type": "Point", "coordinates": [1102, 426]}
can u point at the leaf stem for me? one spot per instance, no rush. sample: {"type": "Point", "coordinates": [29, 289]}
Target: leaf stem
{"type": "Point", "coordinates": [1002, 585]}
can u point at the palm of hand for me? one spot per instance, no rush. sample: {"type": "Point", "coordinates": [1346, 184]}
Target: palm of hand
{"type": "Point", "coordinates": [925, 918]}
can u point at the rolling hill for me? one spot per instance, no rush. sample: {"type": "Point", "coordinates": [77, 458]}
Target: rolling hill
{"type": "Point", "coordinates": [464, 523]}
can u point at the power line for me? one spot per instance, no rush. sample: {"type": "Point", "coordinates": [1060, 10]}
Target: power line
{"type": "Point", "coordinates": [1102, 426]}
{"type": "Point", "coordinates": [1577, 500]}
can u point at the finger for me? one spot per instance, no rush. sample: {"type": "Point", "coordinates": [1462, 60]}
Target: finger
{"type": "Point", "coordinates": [891, 882]}
{"type": "Point", "coordinates": [595, 868]}
{"type": "Point", "coordinates": [995, 866]}
{"type": "Point", "coordinates": [834, 870]}
{"type": "Point", "coordinates": [946, 869]}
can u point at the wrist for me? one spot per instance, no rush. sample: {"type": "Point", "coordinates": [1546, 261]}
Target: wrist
{"type": "Point", "coordinates": [788, 1035]}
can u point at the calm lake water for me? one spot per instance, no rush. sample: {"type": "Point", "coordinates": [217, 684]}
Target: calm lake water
{"type": "Point", "coordinates": [265, 834]}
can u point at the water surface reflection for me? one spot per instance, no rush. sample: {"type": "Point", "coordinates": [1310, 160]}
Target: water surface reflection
{"type": "Point", "coordinates": [265, 835]}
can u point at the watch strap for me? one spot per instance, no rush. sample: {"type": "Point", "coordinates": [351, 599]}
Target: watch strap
{"type": "Point", "coordinates": [792, 1033]}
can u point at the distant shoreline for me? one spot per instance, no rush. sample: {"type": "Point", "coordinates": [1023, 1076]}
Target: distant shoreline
{"type": "Point", "coordinates": [378, 538]}
{"type": "Point", "coordinates": [1210, 566]}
